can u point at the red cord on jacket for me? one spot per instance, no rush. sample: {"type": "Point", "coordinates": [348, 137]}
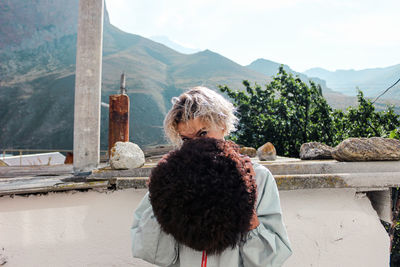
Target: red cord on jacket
{"type": "Point", "coordinates": [204, 259]}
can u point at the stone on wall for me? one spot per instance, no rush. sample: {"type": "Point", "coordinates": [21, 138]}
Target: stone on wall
{"type": "Point", "coordinates": [249, 151]}
{"type": "Point", "coordinates": [315, 150]}
{"type": "Point", "coordinates": [266, 152]}
{"type": "Point", "coordinates": [126, 155]}
{"type": "Point", "coordinates": [367, 149]}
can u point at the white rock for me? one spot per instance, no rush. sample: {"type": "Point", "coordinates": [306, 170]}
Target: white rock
{"type": "Point", "coordinates": [126, 155]}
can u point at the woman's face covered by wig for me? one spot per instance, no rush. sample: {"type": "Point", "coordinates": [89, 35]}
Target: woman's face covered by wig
{"type": "Point", "coordinates": [204, 194]}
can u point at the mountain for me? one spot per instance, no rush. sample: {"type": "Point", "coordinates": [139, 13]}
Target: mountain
{"type": "Point", "coordinates": [37, 76]}
{"type": "Point", "coordinates": [335, 98]}
{"type": "Point", "coordinates": [371, 81]}
{"type": "Point", "coordinates": [173, 45]}
{"type": "Point", "coordinates": [271, 68]}
{"type": "Point", "coordinates": [37, 65]}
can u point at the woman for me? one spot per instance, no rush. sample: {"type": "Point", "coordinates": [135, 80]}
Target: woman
{"type": "Point", "coordinates": [201, 112]}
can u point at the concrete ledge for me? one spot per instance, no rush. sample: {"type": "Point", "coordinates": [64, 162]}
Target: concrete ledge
{"type": "Point", "coordinates": [290, 174]}
{"type": "Point", "coordinates": [359, 181]}
{"type": "Point", "coordinates": [330, 166]}
{"type": "Point", "coordinates": [294, 174]}
{"type": "Point", "coordinates": [131, 182]}
{"type": "Point", "coordinates": [279, 168]}
{"type": "Point", "coordinates": [105, 173]}
{"type": "Point", "coordinates": [338, 180]}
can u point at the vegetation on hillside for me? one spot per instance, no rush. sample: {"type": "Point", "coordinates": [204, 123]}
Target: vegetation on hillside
{"type": "Point", "coordinates": [289, 112]}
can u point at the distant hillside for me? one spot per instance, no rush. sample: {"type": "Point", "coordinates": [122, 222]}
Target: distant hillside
{"type": "Point", "coordinates": [37, 64]}
{"type": "Point", "coordinates": [335, 98]}
{"type": "Point", "coordinates": [271, 68]}
{"type": "Point", "coordinates": [175, 46]}
{"type": "Point", "coordinates": [371, 81]}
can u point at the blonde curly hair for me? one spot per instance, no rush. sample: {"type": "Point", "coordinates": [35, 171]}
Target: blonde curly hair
{"type": "Point", "coordinates": [199, 102]}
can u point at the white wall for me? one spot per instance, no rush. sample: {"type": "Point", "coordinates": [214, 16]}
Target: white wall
{"type": "Point", "coordinates": [327, 227]}
{"type": "Point", "coordinates": [65, 229]}
{"type": "Point", "coordinates": [334, 227]}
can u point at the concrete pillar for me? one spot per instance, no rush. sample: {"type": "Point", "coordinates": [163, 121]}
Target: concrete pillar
{"type": "Point", "coordinates": [88, 85]}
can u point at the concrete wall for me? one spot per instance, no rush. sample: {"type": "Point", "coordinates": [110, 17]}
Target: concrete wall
{"type": "Point", "coordinates": [327, 227]}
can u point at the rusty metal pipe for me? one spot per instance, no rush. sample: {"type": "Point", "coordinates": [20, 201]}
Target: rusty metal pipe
{"type": "Point", "coordinates": [118, 120]}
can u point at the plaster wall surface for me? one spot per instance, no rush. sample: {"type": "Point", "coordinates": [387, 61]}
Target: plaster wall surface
{"type": "Point", "coordinates": [327, 227]}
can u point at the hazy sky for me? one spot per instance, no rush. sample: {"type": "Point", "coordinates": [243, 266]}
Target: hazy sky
{"type": "Point", "coordinates": [332, 34]}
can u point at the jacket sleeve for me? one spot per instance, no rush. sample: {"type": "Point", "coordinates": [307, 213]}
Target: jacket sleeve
{"type": "Point", "coordinates": [268, 244]}
{"type": "Point", "coordinates": [149, 242]}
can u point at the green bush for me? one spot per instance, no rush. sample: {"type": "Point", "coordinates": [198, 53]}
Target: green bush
{"type": "Point", "coordinates": [288, 113]}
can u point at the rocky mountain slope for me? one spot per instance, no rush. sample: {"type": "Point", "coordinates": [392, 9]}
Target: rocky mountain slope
{"type": "Point", "coordinates": [371, 81]}
{"type": "Point", "coordinates": [336, 98]}
{"type": "Point", "coordinates": [173, 45]}
{"type": "Point", "coordinates": [271, 68]}
{"type": "Point", "coordinates": [37, 64]}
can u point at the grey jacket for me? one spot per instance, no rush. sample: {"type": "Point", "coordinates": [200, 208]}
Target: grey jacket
{"type": "Point", "coordinates": [266, 245]}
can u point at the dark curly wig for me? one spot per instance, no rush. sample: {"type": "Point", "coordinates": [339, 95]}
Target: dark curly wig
{"type": "Point", "coordinates": [203, 194]}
